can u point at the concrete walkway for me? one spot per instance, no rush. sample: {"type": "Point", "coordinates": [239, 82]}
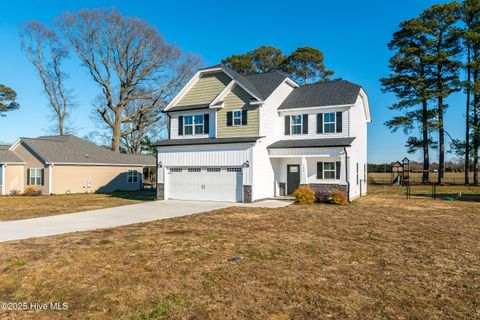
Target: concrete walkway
{"type": "Point", "coordinates": [114, 217]}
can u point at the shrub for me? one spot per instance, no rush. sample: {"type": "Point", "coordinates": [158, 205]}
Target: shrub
{"type": "Point", "coordinates": [32, 191]}
{"type": "Point", "coordinates": [339, 197]}
{"type": "Point", "coordinates": [304, 195]}
{"type": "Point", "coordinates": [14, 192]}
{"type": "Point", "coordinates": [323, 197]}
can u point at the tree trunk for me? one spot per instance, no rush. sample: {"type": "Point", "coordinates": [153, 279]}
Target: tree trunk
{"type": "Point", "coordinates": [441, 142]}
{"type": "Point", "coordinates": [116, 131]}
{"type": "Point", "coordinates": [467, 122]}
{"type": "Point", "coordinates": [475, 139]}
{"type": "Point", "coordinates": [426, 157]}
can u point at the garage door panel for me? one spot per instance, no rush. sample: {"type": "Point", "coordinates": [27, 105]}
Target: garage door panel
{"type": "Point", "coordinates": [223, 185]}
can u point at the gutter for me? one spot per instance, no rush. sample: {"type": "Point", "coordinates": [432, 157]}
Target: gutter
{"type": "Point", "coordinates": [346, 173]}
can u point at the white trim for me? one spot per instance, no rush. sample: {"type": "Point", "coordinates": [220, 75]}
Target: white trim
{"type": "Point", "coordinates": [291, 83]}
{"type": "Point", "coordinates": [222, 95]}
{"type": "Point", "coordinates": [29, 176]}
{"type": "Point", "coordinates": [101, 164]}
{"type": "Point", "coordinates": [366, 105]}
{"type": "Point", "coordinates": [137, 174]}
{"type": "Point", "coordinates": [13, 163]}
{"type": "Point", "coordinates": [317, 107]}
{"type": "Point", "coordinates": [334, 122]}
{"type": "Point", "coordinates": [296, 124]}
{"type": "Point", "coordinates": [50, 178]}
{"type": "Point", "coordinates": [3, 166]}
{"type": "Point", "coordinates": [184, 90]}
{"type": "Point", "coordinates": [13, 146]}
{"type": "Point", "coordinates": [233, 118]}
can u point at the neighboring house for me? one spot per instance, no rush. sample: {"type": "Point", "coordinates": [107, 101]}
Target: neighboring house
{"type": "Point", "coordinates": [67, 164]}
{"type": "Point", "coordinates": [245, 138]}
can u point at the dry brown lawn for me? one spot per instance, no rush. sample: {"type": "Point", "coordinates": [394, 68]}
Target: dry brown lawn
{"type": "Point", "coordinates": [24, 207]}
{"type": "Point", "coordinates": [381, 257]}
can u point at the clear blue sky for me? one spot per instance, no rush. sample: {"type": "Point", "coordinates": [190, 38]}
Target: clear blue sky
{"type": "Point", "coordinates": [352, 34]}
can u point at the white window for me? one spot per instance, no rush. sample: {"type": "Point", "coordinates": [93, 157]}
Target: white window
{"type": "Point", "coordinates": [35, 177]}
{"type": "Point", "coordinates": [329, 170]}
{"type": "Point", "coordinates": [198, 122]}
{"type": "Point", "coordinates": [188, 125]}
{"type": "Point", "coordinates": [329, 122]}
{"type": "Point", "coordinates": [132, 176]}
{"type": "Point", "coordinates": [296, 124]}
{"type": "Point", "coordinates": [237, 118]}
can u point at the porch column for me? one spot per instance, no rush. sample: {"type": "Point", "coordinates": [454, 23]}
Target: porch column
{"type": "Point", "coordinates": [303, 171]}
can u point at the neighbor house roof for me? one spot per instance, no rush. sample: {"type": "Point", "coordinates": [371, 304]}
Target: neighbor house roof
{"type": "Point", "coordinates": [7, 156]}
{"type": "Point", "coordinates": [331, 93]}
{"type": "Point", "coordinates": [200, 141]}
{"type": "Point", "coordinates": [71, 149]}
{"type": "Point", "coordinates": [312, 143]}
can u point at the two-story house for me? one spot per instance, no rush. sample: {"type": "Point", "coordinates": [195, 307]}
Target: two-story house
{"type": "Point", "coordinates": [245, 138]}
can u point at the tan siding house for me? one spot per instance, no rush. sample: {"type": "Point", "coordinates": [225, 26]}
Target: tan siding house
{"type": "Point", "coordinates": [205, 89]}
{"type": "Point", "coordinates": [67, 164]}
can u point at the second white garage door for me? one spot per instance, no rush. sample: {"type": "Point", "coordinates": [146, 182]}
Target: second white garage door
{"type": "Point", "coordinates": [212, 184]}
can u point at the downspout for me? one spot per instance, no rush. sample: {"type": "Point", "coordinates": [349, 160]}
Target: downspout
{"type": "Point", "coordinates": [3, 178]}
{"type": "Point", "coordinates": [346, 173]}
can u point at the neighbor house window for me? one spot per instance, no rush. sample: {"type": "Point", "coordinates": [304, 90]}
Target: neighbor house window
{"type": "Point", "coordinates": [329, 170]}
{"type": "Point", "coordinates": [132, 176]}
{"type": "Point", "coordinates": [35, 177]}
{"type": "Point", "coordinates": [296, 124]}
{"type": "Point", "coordinates": [329, 122]}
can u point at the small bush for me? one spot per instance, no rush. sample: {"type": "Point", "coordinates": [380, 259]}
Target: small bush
{"type": "Point", "coordinates": [304, 195]}
{"type": "Point", "coordinates": [15, 192]}
{"type": "Point", "coordinates": [339, 197]}
{"type": "Point", "coordinates": [32, 191]}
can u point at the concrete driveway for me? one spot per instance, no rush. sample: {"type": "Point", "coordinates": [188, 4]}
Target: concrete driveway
{"type": "Point", "coordinates": [114, 217]}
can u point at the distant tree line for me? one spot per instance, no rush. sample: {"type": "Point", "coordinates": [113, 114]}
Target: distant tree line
{"type": "Point", "coordinates": [435, 55]}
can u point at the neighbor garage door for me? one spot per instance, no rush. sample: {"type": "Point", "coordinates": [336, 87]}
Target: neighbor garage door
{"type": "Point", "coordinates": [214, 184]}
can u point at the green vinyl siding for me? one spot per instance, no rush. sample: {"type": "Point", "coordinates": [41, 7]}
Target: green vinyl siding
{"type": "Point", "coordinates": [205, 89]}
{"type": "Point", "coordinates": [238, 99]}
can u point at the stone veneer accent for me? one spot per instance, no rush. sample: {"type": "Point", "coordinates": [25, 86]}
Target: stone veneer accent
{"type": "Point", "coordinates": [247, 194]}
{"type": "Point", "coordinates": [160, 191]}
{"type": "Point", "coordinates": [282, 188]}
{"type": "Point", "coordinates": [317, 187]}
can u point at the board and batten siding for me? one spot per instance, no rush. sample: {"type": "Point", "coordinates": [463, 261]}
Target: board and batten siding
{"type": "Point", "coordinates": [205, 89]}
{"type": "Point", "coordinates": [238, 99]}
{"type": "Point", "coordinates": [312, 123]}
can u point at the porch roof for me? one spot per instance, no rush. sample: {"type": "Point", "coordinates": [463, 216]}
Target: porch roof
{"type": "Point", "coordinates": [312, 143]}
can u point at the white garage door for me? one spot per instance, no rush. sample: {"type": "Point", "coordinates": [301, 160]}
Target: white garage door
{"type": "Point", "coordinates": [213, 184]}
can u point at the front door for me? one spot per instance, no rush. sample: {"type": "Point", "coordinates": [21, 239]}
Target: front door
{"type": "Point", "coordinates": [293, 177]}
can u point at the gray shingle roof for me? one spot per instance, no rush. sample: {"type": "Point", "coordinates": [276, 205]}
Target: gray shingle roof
{"type": "Point", "coordinates": [338, 92]}
{"type": "Point", "coordinates": [312, 143]}
{"type": "Point", "coordinates": [71, 149]}
{"type": "Point", "coordinates": [200, 141]}
{"type": "Point", "coordinates": [7, 156]}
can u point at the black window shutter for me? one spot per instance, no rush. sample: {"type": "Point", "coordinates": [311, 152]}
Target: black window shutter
{"type": "Point", "coordinates": [337, 170]}
{"type": "Point", "coordinates": [229, 118]}
{"type": "Point", "coordinates": [305, 124]}
{"type": "Point", "coordinates": [287, 125]}
{"type": "Point", "coordinates": [180, 125]}
{"type": "Point", "coordinates": [244, 117]}
{"type": "Point", "coordinates": [43, 176]}
{"type": "Point", "coordinates": [319, 170]}
{"type": "Point", "coordinates": [28, 177]}
{"type": "Point", "coordinates": [319, 122]}
{"type": "Point", "coordinates": [339, 122]}
{"type": "Point", "coordinates": [206, 123]}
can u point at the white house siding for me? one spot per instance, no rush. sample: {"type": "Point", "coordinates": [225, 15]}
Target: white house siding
{"type": "Point", "coordinates": [357, 153]}
{"type": "Point", "coordinates": [174, 124]}
{"type": "Point", "coordinates": [235, 155]}
{"type": "Point", "coordinates": [263, 170]}
{"type": "Point", "coordinates": [312, 123]}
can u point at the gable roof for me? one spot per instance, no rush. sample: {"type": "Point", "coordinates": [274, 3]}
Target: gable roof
{"type": "Point", "coordinates": [8, 156]}
{"type": "Point", "coordinates": [73, 150]}
{"type": "Point", "coordinates": [259, 85]}
{"type": "Point", "coordinates": [331, 93]}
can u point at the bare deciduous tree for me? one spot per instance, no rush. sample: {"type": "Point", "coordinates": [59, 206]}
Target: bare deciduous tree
{"type": "Point", "coordinates": [46, 52]}
{"type": "Point", "coordinates": [129, 60]}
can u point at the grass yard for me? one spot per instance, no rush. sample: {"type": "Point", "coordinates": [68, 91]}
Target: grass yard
{"type": "Point", "coordinates": [23, 207]}
{"type": "Point", "coordinates": [381, 257]}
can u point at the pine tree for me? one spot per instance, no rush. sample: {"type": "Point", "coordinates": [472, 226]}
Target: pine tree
{"type": "Point", "coordinates": [8, 98]}
{"type": "Point", "coordinates": [442, 51]}
{"type": "Point", "coordinates": [408, 82]}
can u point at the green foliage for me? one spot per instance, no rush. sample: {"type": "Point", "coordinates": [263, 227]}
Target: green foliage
{"type": "Point", "coordinates": [7, 100]}
{"type": "Point", "coordinates": [304, 195]}
{"type": "Point", "coordinates": [305, 65]}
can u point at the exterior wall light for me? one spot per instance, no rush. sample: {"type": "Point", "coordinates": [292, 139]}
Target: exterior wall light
{"type": "Point", "coordinates": [247, 164]}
